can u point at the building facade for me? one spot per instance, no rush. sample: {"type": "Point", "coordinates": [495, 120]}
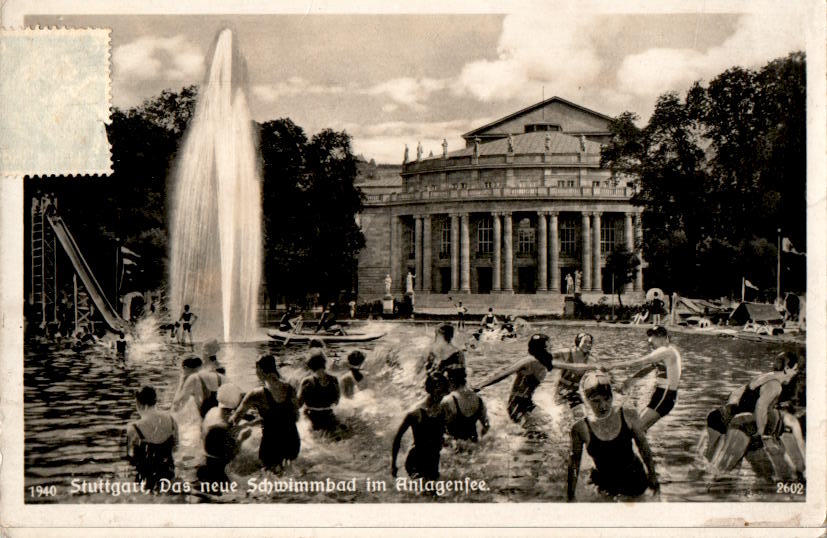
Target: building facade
{"type": "Point", "coordinates": [524, 205]}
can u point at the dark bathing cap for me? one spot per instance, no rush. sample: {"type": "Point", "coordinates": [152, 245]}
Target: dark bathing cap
{"type": "Point", "coordinates": [146, 396]}
{"type": "Point", "coordinates": [355, 358]}
{"type": "Point", "coordinates": [537, 343]}
{"type": "Point", "coordinates": [266, 364]}
{"type": "Point", "coordinates": [316, 360]}
{"type": "Point", "coordinates": [192, 362]}
{"type": "Point", "coordinates": [658, 330]}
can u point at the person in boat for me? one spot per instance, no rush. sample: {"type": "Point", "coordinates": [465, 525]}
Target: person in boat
{"type": "Point", "coordinates": [354, 379]}
{"type": "Point", "coordinates": [278, 408]}
{"type": "Point", "coordinates": [319, 393]}
{"type": "Point", "coordinates": [427, 424]}
{"type": "Point", "coordinates": [290, 319]}
{"type": "Point", "coordinates": [443, 354]}
{"type": "Point", "coordinates": [186, 321]}
{"type": "Point", "coordinates": [463, 409]}
{"type": "Point", "coordinates": [608, 438]}
{"type": "Point", "coordinates": [219, 438]}
{"type": "Point", "coordinates": [200, 381]}
{"type": "Point", "coordinates": [151, 440]}
{"type": "Point", "coordinates": [666, 360]}
{"type": "Point", "coordinates": [328, 321]}
{"type": "Point", "coordinates": [529, 373]}
{"type": "Point", "coordinates": [752, 416]}
{"type": "Point", "coordinates": [568, 387]}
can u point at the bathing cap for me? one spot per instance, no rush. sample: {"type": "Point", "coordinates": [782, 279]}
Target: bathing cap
{"type": "Point", "coordinates": [316, 360]}
{"type": "Point", "coordinates": [355, 358]}
{"type": "Point", "coordinates": [210, 348]}
{"type": "Point", "coordinates": [580, 336]}
{"type": "Point", "coordinates": [595, 380]}
{"type": "Point", "coordinates": [192, 362]}
{"type": "Point", "coordinates": [229, 396]}
{"type": "Point", "coordinates": [537, 344]}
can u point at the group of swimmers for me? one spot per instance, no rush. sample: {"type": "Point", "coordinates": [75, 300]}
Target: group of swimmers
{"type": "Point", "coordinates": [227, 414]}
{"type": "Point", "coordinates": [454, 412]}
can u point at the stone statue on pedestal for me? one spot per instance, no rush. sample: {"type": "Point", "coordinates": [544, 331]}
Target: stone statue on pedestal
{"type": "Point", "coordinates": [405, 159]}
{"type": "Point", "coordinates": [444, 148]}
{"type": "Point", "coordinates": [419, 151]}
{"type": "Point", "coordinates": [409, 286]}
{"type": "Point", "coordinates": [388, 282]}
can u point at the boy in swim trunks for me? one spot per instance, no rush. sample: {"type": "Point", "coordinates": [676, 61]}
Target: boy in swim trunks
{"type": "Point", "coordinates": [187, 319]}
{"type": "Point", "coordinates": [666, 359]}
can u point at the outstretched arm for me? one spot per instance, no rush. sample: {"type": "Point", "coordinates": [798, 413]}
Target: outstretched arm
{"type": "Point", "coordinates": [577, 367]}
{"type": "Point", "coordinates": [242, 408]}
{"type": "Point", "coordinates": [184, 391]}
{"type": "Point", "coordinates": [502, 374]}
{"type": "Point", "coordinates": [650, 358]}
{"type": "Point", "coordinates": [642, 446]}
{"type": "Point", "coordinates": [397, 441]}
{"type": "Point", "coordinates": [575, 455]}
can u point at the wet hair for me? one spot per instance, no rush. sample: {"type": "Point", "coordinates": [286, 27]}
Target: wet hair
{"type": "Point", "coordinates": [355, 358]}
{"type": "Point", "coordinates": [146, 396]}
{"type": "Point", "coordinates": [490, 309]}
{"type": "Point", "coordinates": [266, 364]}
{"type": "Point", "coordinates": [537, 348]}
{"type": "Point", "coordinates": [436, 384]}
{"type": "Point", "coordinates": [315, 343]}
{"type": "Point", "coordinates": [658, 330]}
{"type": "Point", "coordinates": [580, 336]}
{"type": "Point", "coordinates": [186, 307]}
{"type": "Point", "coordinates": [193, 363]}
{"type": "Point", "coordinates": [784, 360]}
{"type": "Point", "coordinates": [456, 376]}
{"type": "Point", "coordinates": [316, 360]}
{"type": "Point", "coordinates": [447, 331]}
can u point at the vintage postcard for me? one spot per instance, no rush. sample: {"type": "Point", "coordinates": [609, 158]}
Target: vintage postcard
{"type": "Point", "coordinates": [464, 265]}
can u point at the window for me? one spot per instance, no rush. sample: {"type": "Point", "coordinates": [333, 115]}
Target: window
{"type": "Point", "coordinates": [526, 236]}
{"type": "Point", "coordinates": [489, 184]}
{"type": "Point", "coordinates": [568, 244]}
{"type": "Point", "coordinates": [607, 236]}
{"type": "Point", "coordinates": [565, 183]}
{"type": "Point", "coordinates": [596, 183]}
{"type": "Point", "coordinates": [485, 236]}
{"type": "Point", "coordinates": [411, 243]}
{"type": "Point", "coordinates": [445, 239]}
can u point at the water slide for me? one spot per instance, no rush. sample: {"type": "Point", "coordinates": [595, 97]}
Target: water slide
{"type": "Point", "coordinates": [110, 315]}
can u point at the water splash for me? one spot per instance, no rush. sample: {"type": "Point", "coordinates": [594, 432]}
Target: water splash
{"type": "Point", "coordinates": [215, 245]}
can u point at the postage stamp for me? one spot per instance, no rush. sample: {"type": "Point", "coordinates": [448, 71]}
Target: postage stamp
{"type": "Point", "coordinates": [366, 268]}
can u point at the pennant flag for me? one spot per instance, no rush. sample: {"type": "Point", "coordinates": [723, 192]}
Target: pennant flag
{"type": "Point", "coordinates": [749, 284]}
{"type": "Point", "coordinates": [128, 252]}
{"type": "Point", "coordinates": [787, 246]}
{"type": "Point", "coordinates": [127, 261]}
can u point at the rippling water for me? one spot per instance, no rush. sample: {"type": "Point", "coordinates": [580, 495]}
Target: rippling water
{"type": "Point", "coordinates": [77, 404]}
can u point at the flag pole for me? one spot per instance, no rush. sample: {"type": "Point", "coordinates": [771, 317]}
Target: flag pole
{"type": "Point", "coordinates": [743, 284]}
{"type": "Point", "coordinates": [778, 271]}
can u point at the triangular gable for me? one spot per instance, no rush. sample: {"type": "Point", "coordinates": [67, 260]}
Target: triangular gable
{"type": "Point", "coordinates": [571, 117]}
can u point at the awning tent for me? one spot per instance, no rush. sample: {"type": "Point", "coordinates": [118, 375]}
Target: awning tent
{"type": "Point", "coordinates": [757, 312]}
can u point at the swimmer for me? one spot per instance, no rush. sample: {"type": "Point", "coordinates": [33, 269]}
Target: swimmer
{"type": "Point", "coordinates": [751, 416]}
{"type": "Point", "coordinates": [219, 439]}
{"type": "Point", "coordinates": [151, 440]}
{"type": "Point", "coordinates": [354, 379]}
{"type": "Point", "coordinates": [120, 345]}
{"type": "Point", "coordinates": [489, 321]}
{"type": "Point", "coordinates": [608, 440]}
{"type": "Point", "coordinates": [427, 424]}
{"type": "Point", "coordinates": [201, 385]}
{"type": "Point", "coordinates": [186, 320]}
{"type": "Point", "coordinates": [529, 373]}
{"type": "Point", "coordinates": [568, 388]}
{"type": "Point", "coordinates": [463, 409]}
{"type": "Point", "coordinates": [319, 393]}
{"type": "Point", "coordinates": [666, 359]}
{"type": "Point", "coordinates": [277, 406]}
{"type": "Point", "coordinates": [443, 354]}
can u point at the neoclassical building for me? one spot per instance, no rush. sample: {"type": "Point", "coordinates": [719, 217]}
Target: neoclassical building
{"type": "Point", "coordinates": [524, 204]}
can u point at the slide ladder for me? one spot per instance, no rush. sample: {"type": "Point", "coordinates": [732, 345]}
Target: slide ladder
{"type": "Point", "coordinates": [109, 314]}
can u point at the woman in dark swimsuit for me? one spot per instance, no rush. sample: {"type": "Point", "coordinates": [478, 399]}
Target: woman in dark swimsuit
{"type": "Point", "coordinates": [608, 439]}
{"type": "Point", "coordinates": [319, 393]}
{"type": "Point", "coordinates": [463, 409]}
{"type": "Point", "coordinates": [150, 441]}
{"type": "Point", "coordinates": [427, 423]}
{"type": "Point", "coordinates": [277, 405]}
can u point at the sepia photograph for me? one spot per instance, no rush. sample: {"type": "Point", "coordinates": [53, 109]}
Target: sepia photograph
{"type": "Point", "coordinates": [517, 256]}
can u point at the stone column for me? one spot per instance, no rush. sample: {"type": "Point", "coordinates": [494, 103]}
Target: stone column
{"type": "Point", "coordinates": [542, 251]}
{"type": "Point", "coordinates": [418, 252]}
{"type": "Point", "coordinates": [465, 264]}
{"type": "Point", "coordinates": [496, 278]}
{"type": "Point", "coordinates": [597, 280]}
{"type": "Point", "coordinates": [586, 239]}
{"type": "Point", "coordinates": [554, 252]}
{"type": "Point", "coordinates": [427, 259]}
{"type": "Point", "coordinates": [454, 253]}
{"type": "Point", "coordinates": [639, 275]}
{"type": "Point", "coordinates": [395, 251]}
{"type": "Point", "coordinates": [508, 255]}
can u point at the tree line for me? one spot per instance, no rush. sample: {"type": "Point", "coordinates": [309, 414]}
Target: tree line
{"type": "Point", "coordinates": [309, 202]}
{"type": "Point", "coordinates": [720, 169]}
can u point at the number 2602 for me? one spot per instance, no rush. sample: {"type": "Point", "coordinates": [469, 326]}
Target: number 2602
{"type": "Point", "coordinates": [793, 488]}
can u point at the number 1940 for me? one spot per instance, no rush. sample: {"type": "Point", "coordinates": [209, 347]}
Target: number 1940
{"type": "Point", "coordinates": [790, 488]}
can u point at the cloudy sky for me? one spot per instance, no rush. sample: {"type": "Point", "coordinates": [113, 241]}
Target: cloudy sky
{"type": "Point", "coordinates": [391, 80]}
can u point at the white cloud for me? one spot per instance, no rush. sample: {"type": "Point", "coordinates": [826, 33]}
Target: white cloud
{"type": "Point", "coordinates": [173, 58]}
{"type": "Point", "coordinates": [758, 38]}
{"type": "Point", "coordinates": [292, 87]}
{"type": "Point", "coordinates": [408, 91]}
{"type": "Point", "coordinates": [535, 50]}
